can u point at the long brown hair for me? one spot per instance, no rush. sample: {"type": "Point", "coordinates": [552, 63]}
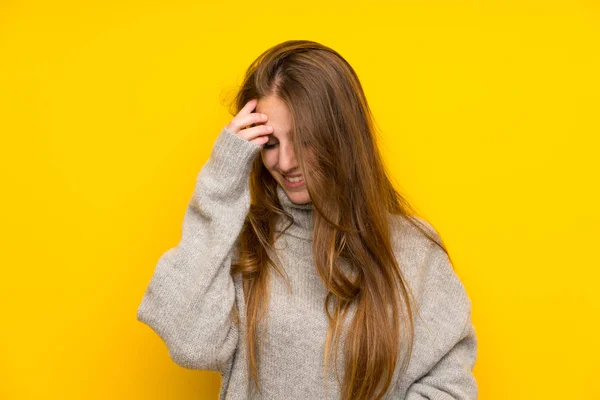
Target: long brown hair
{"type": "Point", "coordinates": [334, 138]}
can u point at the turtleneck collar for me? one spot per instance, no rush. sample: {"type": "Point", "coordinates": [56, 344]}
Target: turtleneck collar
{"type": "Point", "coordinates": [302, 213]}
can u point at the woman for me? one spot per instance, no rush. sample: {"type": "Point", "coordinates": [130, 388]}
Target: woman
{"type": "Point", "coordinates": [308, 251]}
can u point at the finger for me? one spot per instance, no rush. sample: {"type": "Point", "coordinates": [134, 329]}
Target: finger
{"type": "Point", "coordinates": [243, 121]}
{"type": "Point", "coordinates": [256, 131]}
{"type": "Point", "coordinates": [253, 118]}
{"type": "Point", "coordinates": [248, 107]}
{"type": "Point", "coordinates": [260, 140]}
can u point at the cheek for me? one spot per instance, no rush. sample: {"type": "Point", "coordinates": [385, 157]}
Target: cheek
{"type": "Point", "coordinates": [268, 160]}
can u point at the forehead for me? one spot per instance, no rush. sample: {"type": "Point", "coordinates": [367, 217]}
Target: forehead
{"type": "Point", "coordinates": [279, 115]}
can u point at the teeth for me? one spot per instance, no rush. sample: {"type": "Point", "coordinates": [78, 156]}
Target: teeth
{"type": "Point", "coordinates": [296, 179]}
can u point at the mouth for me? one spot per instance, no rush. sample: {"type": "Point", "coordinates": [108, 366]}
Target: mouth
{"type": "Point", "coordinates": [293, 181]}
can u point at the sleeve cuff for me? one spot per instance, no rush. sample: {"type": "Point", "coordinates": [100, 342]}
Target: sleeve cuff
{"type": "Point", "coordinates": [232, 154]}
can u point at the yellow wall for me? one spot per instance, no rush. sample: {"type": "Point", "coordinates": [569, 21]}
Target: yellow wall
{"type": "Point", "coordinates": [488, 114]}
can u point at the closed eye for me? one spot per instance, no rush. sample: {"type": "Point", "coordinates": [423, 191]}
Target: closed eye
{"type": "Point", "coordinates": [270, 146]}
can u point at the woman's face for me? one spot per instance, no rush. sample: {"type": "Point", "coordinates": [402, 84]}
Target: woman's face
{"type": "Point", "coordinates": [278, 153]}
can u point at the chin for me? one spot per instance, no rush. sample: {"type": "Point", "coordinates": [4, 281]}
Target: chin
{"type": "Point", "coordinates": [298, 197]}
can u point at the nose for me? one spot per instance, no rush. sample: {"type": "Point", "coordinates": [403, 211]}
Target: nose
{"type": "Point", "coordinates": [287, 159]}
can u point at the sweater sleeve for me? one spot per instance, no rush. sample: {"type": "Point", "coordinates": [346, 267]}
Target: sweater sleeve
{"type": "Point", "coordinates": [451, 378]}
{"type": "Point", "coordinates": [191, 296]}
{"type": "Point", "coordinates": [448, 339]}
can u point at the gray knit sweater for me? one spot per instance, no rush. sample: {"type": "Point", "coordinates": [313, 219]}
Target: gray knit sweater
{"type": "Point", "coordinates": [191, 296]}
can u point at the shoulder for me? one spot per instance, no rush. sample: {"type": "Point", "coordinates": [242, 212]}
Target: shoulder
{"type": "Point", "coordinates": [411, 246]}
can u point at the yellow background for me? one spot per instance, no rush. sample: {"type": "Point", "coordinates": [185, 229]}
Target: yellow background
{"type": "Point", "coordinates": [489, 119]}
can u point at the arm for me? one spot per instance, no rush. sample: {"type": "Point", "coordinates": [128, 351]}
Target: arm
{"type": "Point", "coordinates": [191, 296]}
{"type": "Point", "coordinates": [447, 343]}
{"type": "Point", "coordinates": [451, 378]}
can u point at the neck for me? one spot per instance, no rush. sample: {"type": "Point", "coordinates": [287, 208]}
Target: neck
{"type": "Point", "coordinates": [302, 214]}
